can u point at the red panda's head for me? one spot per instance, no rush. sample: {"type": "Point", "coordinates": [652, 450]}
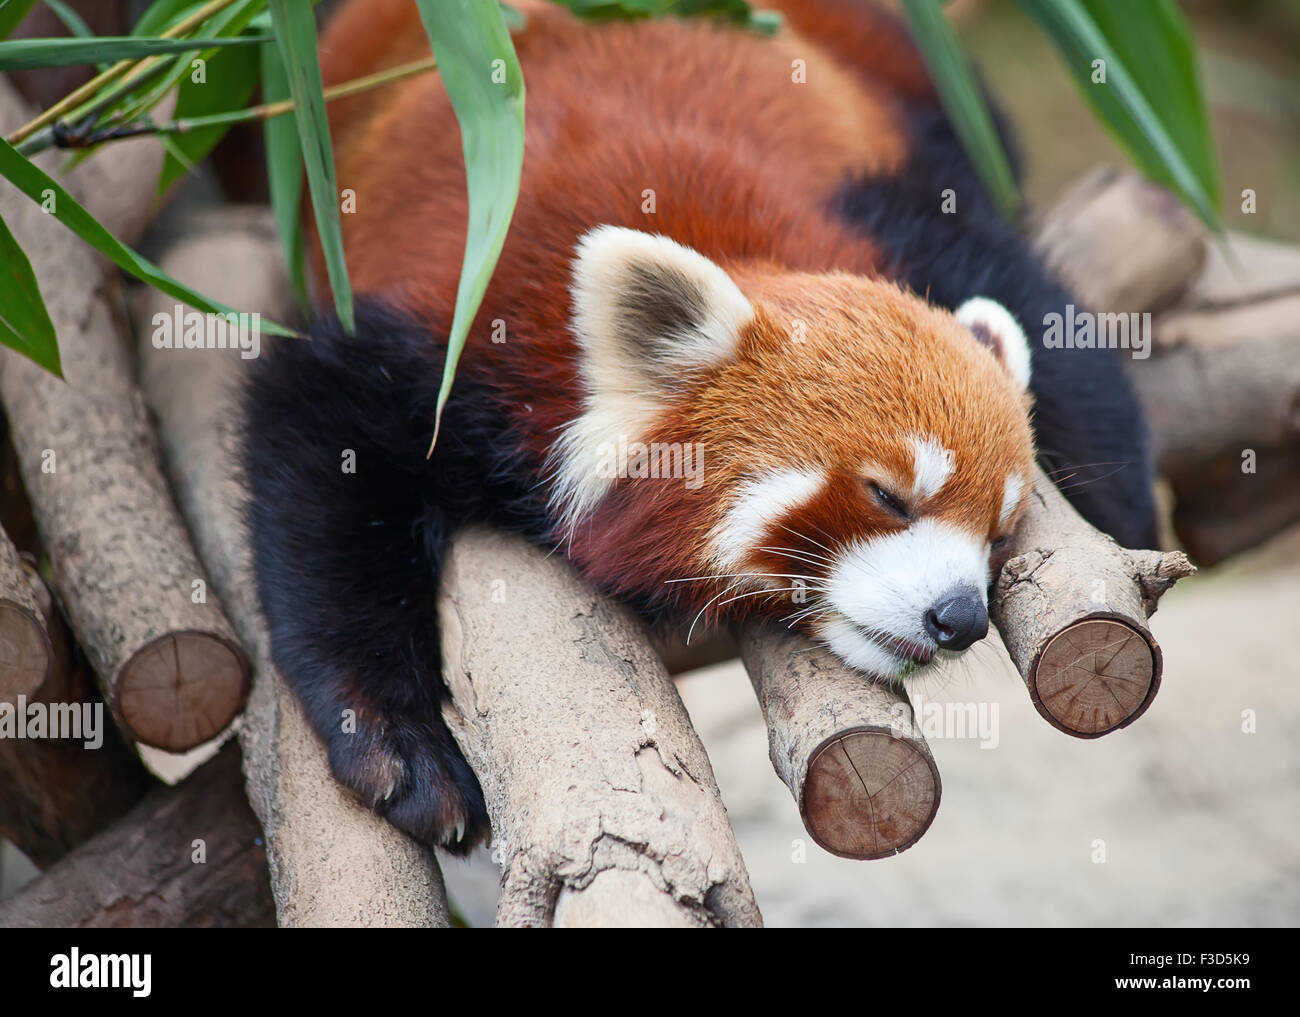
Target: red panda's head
{"type": "Point", "coordinates": [825, 448]}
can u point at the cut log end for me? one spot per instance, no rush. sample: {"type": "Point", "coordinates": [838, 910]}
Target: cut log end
{"type": "Point", "coordinates": [1095, 676]}
{"type": "Point", "coordinates": [182, 689]}
{"type": "Point", "coordinates": [26, 655]}
{"type": "Point", "coordinates": [869, 793]}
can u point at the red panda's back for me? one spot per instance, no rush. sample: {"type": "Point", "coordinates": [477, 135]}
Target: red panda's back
{"type": "Point", "coordinates": [715, 136]}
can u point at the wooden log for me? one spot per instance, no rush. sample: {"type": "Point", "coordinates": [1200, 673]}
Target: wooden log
{"type": "Point", "coordinates": [1221, 382]}
{"type": "Point", "coordinates": [171, 669]}
{"type": "Point", "coordinates": [1121, 243]}
{"type": "Point", "coordinates": [603, 803]}
{"type": "Point", "coordinates": [186, 856]}
{"type": "Point", "coordinates": [846, 747]}
{"type": "Point", "coordinates": [332, 861]}
{"type": "Point", "coordinates": [1071, 605]}
{"type": "Point", "coordinates": [1222, 394]}
{"type": "Point", "coordinates": [1221, 510]}
{"type": "Point", "coordinates": [56, 793]}
{"type": "Point", "coordinates": [1245, 269]}
{"type": "Point", "coordinates": [26, 654]}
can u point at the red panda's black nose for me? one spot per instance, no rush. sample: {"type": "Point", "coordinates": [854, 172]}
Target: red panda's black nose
{"type": "Point", "coordinates": [958, 620]}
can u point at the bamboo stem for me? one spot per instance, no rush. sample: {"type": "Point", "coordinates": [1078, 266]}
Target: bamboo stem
{"type": "Point", "coordinates": [265, 111]}
{"type": "Point", "coordinates": [80, 95]}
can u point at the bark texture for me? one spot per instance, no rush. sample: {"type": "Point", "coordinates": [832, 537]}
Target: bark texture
{"type": "Point", "coordinates": [26, 653]}
{"type": "Point", "coordinates": [603, 803]}
{"type": "Point", "coordinates": [170, 667]}
{"type": "Point", "coordinates": [332, 861]}
{"type": "Point", "coordinates": [846, 747]}
{"type": "Point", "coordinates": [186, 856]}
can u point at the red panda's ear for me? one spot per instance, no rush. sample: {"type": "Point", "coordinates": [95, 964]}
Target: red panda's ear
{"type": "Point", "coordinates": [993, 326]}
{"type": "Point", "coordinates": [648, 310]}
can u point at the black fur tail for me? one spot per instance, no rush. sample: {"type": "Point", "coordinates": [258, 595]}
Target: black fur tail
{"type": "Point", "coordinates": [349, 522]}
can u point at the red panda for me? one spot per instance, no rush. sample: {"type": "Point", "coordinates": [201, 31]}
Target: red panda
{"type": "Point", "coordinates": [729, 255]}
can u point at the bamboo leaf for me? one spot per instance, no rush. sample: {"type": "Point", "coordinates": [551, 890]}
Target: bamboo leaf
{"type": "Point", "coordinates": [1150, 101]}
{"type": "Point", "coordinates": [479, 69]}
{"type": "Point", "coordinates": [25, 325]}
{"type": "Point", "coordinates": [42, 188]}
{"type": "Point", "coordinates": [162, 13]}
{"type": "Point", "coordinates": [284, 169]}
{"type": "Point", "coordinates": [230, 78]}
{"type": "Point", "coordinates": [26, 54]}
{"type": "Point", "coordinates": [295, 36]}
{"type": "Point", "coordinates": [11, 13]}
{"type": "Point", "coordinates": [962, 98]}
{"type": "Point", "coordinates": [225, 23]}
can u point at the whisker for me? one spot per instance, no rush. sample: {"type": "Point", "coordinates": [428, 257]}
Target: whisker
{"type": "Point", "coordinates": [743, 575]}
{"type": "Point", "coordinates": [807, 556]}
{"type": "Point", "coordinates": [804, 536]}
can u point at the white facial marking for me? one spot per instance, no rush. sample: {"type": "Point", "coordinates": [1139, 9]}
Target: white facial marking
{"type": "Point", "coordinates": [932, 465]}
{"type": "Point", "coordinates": [847, 642]}
{"type": "Point", "coordinates": [886, 584]}
{"type": "Point", "coordinates": [1010, 498]}
{"type": "Point", "coordinates": [759, 504]}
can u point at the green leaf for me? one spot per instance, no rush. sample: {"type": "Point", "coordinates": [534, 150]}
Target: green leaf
{"type": "Point", "coordinates": [295, 35]}
{"type": "Point", "coordinates": [479, 69]}
{"type": "Point", "coordinates": [25, 325]}
{"type": "Point", "coordinates": [1151, 101]}
{"type": "Point", "coordinates": [162, 14]}
{"type": "Point", "coordinates": [230, 78]}
{"type": "Point", "coordinates": [26, 54]}
{"type": "Point", "coordinates": [962, 98]}
{"type": "Point", "coordinates": [738, 11]}
{"type": "Point", "coordinates": [42, 188]}
{"type": "Point", "coordinates": [284, 169]}
{"type": "Point", "coordinates": [11, 13]}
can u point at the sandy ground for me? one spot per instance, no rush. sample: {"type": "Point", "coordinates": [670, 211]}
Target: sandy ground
{"type": "Point", "coordinates": [1198, 822]}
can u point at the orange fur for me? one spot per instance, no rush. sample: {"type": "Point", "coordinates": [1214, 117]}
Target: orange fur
{"type": "Point", "coordinates": [742, 161]}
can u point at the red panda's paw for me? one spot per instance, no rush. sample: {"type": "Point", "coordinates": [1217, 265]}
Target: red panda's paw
{"type": "Point", "coordinates": [415, 777]}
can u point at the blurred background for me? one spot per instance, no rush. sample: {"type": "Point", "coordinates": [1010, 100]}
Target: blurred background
{"type": "Point", "coordinates": [1189, 817]}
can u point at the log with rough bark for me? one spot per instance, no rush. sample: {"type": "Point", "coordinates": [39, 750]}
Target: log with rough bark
{"type": "Point", "coordinates": [170, 667]}
{"type": "Point", "coordinates": [603, 803]}
{"type": "Point", "coordinates": [26, 654]}
{"type": "Point", "coordinates": [1222, 393]}
{"type": "Point", "coordinates": [1222, 379]}
{"type": "Point", "coordinates": [55, 793]}
{"type": "Point", "coordinates": [847, 748]}
{"type": "Point", "coordinates": [1071, 605]}
{"type": "Point", "coordinates": [1121, 243]}
{"type": "Point", "coordinates": [185, 856]}
{"type": "Point", "coordinates": [332, 861]}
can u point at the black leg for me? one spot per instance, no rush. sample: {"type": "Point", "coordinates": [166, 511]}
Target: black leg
{"type": "Point", "coordinates": [349, 521]}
